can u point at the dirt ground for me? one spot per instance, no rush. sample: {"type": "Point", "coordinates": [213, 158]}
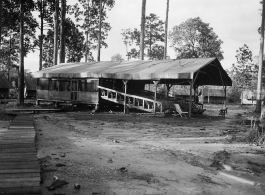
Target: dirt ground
{"type": "Point", "coordinates": [129, 154]}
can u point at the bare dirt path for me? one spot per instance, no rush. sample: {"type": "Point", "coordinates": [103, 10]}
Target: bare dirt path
{"type": "Point", "coordinates": [160, 155]}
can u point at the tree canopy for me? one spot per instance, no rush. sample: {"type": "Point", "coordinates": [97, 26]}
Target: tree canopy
{"type": "Point", "coordinates": [10, 32]}
{"type": "Point", "coordinates": [117, 57]}
{"type": "Point", "coordinates": [87, 18]}
{"type": "Point", "coordinates": [195, 39]}
{"type": "Point", "coordinates": [243, 73]}
{"type": "Point", "coordinates": [74, 44]}
{"type": "Point", "coordinates": [154, 36]}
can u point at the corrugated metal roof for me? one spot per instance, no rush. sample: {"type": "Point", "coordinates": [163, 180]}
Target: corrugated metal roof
{"type": "Point", "coordinates": [5, 84]}
{"type": "Point", "coordinates": [142, 70]}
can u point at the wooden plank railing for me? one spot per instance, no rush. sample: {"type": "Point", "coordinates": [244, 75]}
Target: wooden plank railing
{"type": "Point", "coordinates": [133, 101]}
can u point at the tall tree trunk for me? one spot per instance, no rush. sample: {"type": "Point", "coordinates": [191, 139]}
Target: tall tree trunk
{"type": "Point", "coordinates": [166, 26]}
{"type": "Point", "coordinates": [21, 57]}
{"type": "Point", "coordinates": [62, 35]}
{"type": "Point", "coordinates": [1, 10]}
{"type": "Point", "coordinates": [259, 86]}
{"type": "Point", "coordinates": [87, 48]}
{"type": "Point", "coordinates": [9, 64]}
{"type": "Point", "coordinates": [86, 52]}
{"type": "Point", "coordinates": [55, 42]}
{"type": "Point", "coordinates": [142, 30]}
{"type": "Point", "coordinates": [41, 33]}
{"type": "Point", "coordinates": [100, 23]}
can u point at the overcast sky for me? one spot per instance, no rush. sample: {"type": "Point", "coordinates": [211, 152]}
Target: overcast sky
{"type": "Point", "coordinates": [234, 21]}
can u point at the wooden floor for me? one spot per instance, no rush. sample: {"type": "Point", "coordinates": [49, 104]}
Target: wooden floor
{"type": "Point", "coordinates": [19, 166]}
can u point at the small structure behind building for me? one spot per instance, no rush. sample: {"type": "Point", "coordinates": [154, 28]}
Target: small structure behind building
{"type": "Point", "coordinates": [30, 87]}
{"type": "Point", "coordinates": [213, 95]}
{"type": "Point", "coordinates": [5, 86]}
{"type": "Point", "coordinates": [249, 97]}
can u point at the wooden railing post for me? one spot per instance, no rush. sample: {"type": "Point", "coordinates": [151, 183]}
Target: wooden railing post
{"type": "Point", "coordinates": [154, 107]}
{"type": "Point", "coordinates": [125, 91]}
{"type": "Point", "coordinates": [133, 100]}
{"type": "Point", "coordinates": [191, 86]}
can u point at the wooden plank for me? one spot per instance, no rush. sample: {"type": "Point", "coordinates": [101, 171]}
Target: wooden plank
{"type": "Point", "coordinates": [35, 170]}
{"type": "Point", "coordinates": [19, 184]}
{"type": "Point", "coordinates": [17, 159]}
{"type": "Point", "coordinates": [22, 163]}
{"type": "Point", "coordinates": [20, 150]}
{"type": "Point", "coordinates": [14, 142]}
{"type": "Point", "coordinates": [24, 121]}
{"type": "Point", "coordinates": [26, 145]}
{"type": "Point", "coordinates": [6, 146]}
{"type": "Point", "coordinates": [17, 145]}
{"type": "Point", "coordinates": [18, 179]}
{"type": "Point", "coordinates": [17, 154]}
{"type": "Point", "coordinates": [14, 166]}
{"type": "Point", "coordinates": [18, 163]}
{"type": "Point", "coordinates": [20, 134]}
{"type": "Point", "coordinates": [25, 141]}
{"type": "Point", "coordinates": [20, 127]}
{"type": "Point", "coordinates": [32, 139]}
{"type": "Point", "coordinates": [18, 175]}
{"type": "Point", "coordinates": [19, 131]}
{"type": "Point", "coordinates": [23, 191]}
{"type": "Point", "coordinates": [19, 137]}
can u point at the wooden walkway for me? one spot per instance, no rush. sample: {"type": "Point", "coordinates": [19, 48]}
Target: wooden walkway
{"type": "Point", "coordinates": [19, 166]}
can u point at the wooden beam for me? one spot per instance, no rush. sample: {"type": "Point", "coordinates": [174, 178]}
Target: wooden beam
{"type": "Point", "coordinates": [154, 107]}
{"type": "Point", "coordinates": [125, 91]}
{"type": "Point", "coordinates": [191, 86]}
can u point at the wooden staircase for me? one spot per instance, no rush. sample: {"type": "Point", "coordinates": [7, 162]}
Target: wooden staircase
{"type": "Point", "coordinates": [132, 101]}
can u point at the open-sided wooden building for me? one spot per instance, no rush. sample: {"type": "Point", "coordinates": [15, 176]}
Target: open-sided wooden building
{"type": "Point", "coordinates": [113, 81]}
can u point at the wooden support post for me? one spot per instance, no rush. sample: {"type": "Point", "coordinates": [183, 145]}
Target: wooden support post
{"type": "Point", "coordinates": [125, 91]}
{"type": "Point", "coordinates": [154, 107]}
{"type": "Point", "coordinates": [71, 88]}
{"type": "Point", "coordinates": [168, 86]}
{"type": "Point", "coordinates": [202, 95]}
{"type": "Point", "coordinates": [78, 90]}
{"type": "Point", "coordinates": [191, 86]}
{"type": "Point", "coordinates": [208, 95]}
{"type": "Point", "coordinates": [225, 97]}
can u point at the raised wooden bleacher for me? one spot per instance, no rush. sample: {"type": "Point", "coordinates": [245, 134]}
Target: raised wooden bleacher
{"type": "Point", "coordinates": [19, 165]}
